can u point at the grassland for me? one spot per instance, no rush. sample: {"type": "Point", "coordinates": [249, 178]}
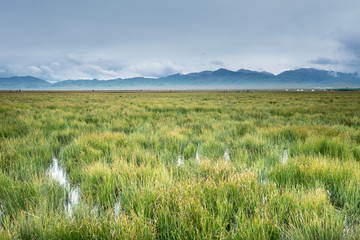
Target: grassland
{"type": "Point", "coordinates": [121, 150]}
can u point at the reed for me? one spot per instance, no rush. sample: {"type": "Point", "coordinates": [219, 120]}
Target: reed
{"type": "Point", "coordinates": [121, 152]}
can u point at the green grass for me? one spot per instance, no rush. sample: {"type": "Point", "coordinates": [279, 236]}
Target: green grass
{"type": "Point", "coordinates": [123, 147]}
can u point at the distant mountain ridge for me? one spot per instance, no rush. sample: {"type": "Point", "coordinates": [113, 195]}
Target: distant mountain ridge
{"type": "Point", "coordinates": [27, 82]}
{"type": "Point", "coordinates": [218, 79]}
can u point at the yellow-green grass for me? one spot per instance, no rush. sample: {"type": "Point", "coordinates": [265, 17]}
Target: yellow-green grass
{"type": "Point", "coordinates": [123, 148]}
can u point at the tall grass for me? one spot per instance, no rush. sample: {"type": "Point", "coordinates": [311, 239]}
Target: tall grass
{"type": "Point", "coordinates": [121, 150]}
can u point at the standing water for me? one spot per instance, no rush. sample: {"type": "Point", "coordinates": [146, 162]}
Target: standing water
{"type": "Point", "coordinates": [179, 161]}
{"type": "Point", "coordinates": [164, 167]}
{"type": "Point", "coordinates": [227, 155]}
{"type": "Point", "coordinates": [94, 211]}
{"type": "Point", "coordinates": [263, 178]}
{"type": "Point", "coordinates": [1, 214]}
{"type": "Point", "coordinates": [285, 157]}
{"type": "Point", "coordinates": [58, 174]}
{"type": "Point", "coordinates": [197, 156]}
{"type": "Point", "coordinates": [117, 209]}
{"type": "Point", "coordinates": [73, 200]}
{"type": "Point", "coordinates": [346, 231]}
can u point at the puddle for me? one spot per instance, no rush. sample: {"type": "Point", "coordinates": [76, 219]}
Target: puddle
{"type": "Point", "coordinates": [117, 209]}
{"type": "Point", "coordinates": [57, 173]}
{"type": "Point", "coordinates": [180, 161]}
{"type": "Point", "coordinates": [329, 193]}
{"type": "Point", "coordinates": [263, 182]}
{"type": "Point", "coordinates": [197, 156]}
{"type": "Point", "coordinates": [94, 211]}
{"type": "Point", "coordinates": [263, 199]}
{"type": "Point", "coordinates": [346, 231]}
{"type": "Point", "coordinates": [227, 155]}
{"type": "Point", "coordinates": [285, 157]}
{"type": "Point", "coordinates": [1, 215]}
{"type": "Point", "coordinates": [263, 179]}
{"type": "Point", "coordinates": [72, 201]}
{"type": "Point", "coordinates": [71, 194]}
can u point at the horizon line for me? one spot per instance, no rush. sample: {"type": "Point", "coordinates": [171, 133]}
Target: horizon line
{"type": "Point", "coordinates": [178, 73]}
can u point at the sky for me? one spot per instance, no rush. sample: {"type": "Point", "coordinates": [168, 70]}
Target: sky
{"type": "Point", "coordinates": [86, 39]}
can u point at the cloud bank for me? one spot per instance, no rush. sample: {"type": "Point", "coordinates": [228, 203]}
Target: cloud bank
{"type": "Point", "coordinates": [87, 39]}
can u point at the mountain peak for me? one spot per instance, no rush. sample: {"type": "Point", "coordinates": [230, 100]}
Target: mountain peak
{"type": "Point", "coordinates": [27, 82]}
{"type": "Point", "coordinates": [242, 70]}
{"type": "Point", "coordinates": [223, 70]}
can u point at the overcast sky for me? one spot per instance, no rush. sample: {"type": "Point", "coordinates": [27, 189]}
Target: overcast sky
{"type": "Point", "coordinates": [105, 39]}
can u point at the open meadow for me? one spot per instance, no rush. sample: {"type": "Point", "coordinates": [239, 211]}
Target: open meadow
{"type": "Point", "coordinates": [190, 165]}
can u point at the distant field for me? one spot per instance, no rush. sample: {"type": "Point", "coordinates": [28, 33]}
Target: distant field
{"type": "Point", "coordinates": [190, 165]}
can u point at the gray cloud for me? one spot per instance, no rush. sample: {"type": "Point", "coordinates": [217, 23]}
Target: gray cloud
{"type": "Point", "coordinates": [217, 62]}
{"type": "Point", "coordinates": [351, 44]}
{"type": "Point", "coordinates": [324, 61]}
{"type": "Point", "coordinates": [96, 39]}
{"type": "Point", "coordinates": [348, 53]}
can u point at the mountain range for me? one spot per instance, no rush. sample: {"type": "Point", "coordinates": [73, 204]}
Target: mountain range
{"type": "Point", "coordinates": [218, 79]}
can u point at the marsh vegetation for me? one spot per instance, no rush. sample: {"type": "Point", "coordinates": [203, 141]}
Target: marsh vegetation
{"type": "Point", "coordinates": [258, 165]}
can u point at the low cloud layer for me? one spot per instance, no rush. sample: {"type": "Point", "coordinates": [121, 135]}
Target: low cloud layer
{"type": "Point", "coordinates": [349, 53]}
{"type": "Point", "coordinates": [324, 61]}
{"type": "Point", "coordinates": [88, 39]}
